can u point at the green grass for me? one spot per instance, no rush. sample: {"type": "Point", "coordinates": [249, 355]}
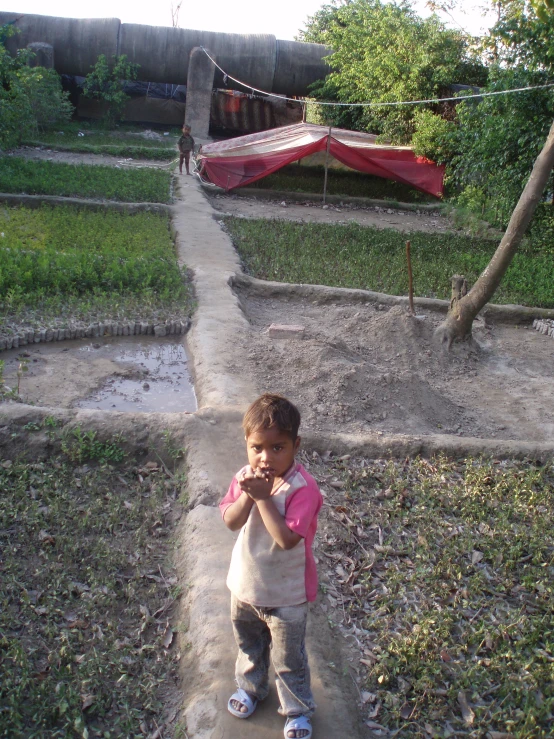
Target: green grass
{"type": "Point", "coordinates": [125, 141]}
{"type": "Point", "coordinates": [34, 177]}
{"type": "Point", "coordinates": [86, 593]}
{"type": "Point", "coordinates": [298, 178]}
{"type": "Point", "coordinates": [54, 254]}
{"type": "Point", "coordinates": [355, 256]}
{"type": "Point", "coordinates": [444, 572]}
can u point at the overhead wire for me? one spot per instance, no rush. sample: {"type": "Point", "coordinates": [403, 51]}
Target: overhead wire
{"type": "Point", "coordinates": [458, 98]}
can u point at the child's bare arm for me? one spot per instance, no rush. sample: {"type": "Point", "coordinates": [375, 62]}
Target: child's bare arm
{"type": "Point", "coordinates": [237, 514]}
{"type": "Point", "coordinates": [275, 524]}
{"type": "Point", "coordinates": [258, 487]}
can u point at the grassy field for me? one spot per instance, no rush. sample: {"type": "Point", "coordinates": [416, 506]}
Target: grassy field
{"type": "Point", "coordinates": [443, 573]}
{"type": "Point", "coordinates": [86, 592]}
{"type": "Point", "coordinates": [356, 256]}
{"type": "Point", "coordinates": [34, 177]}
{"type": "Point", "coordinates": [57, 260]}
{"type": "Point", "coordinates": [125, 141]}
{"type": "Point", "coordinates": [298, 178]}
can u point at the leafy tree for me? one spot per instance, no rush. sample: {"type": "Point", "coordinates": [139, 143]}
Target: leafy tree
{"type": "Point", "coordinates": [30, 97]}
{"type": "Point", "coordinates": [464, 308]}
{"type": "Point", "coordinates": [498, 140]}
{"type": "Point", "coordinates": [105, 83]}
{"type": "Point", "coordinates": [526, 37]}
{"type": "Point", "coordinates": [383, 53]}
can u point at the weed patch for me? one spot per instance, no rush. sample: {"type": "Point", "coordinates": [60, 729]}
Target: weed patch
{"type": "Point", "coordinates": [298, 178]}
{"type": "Point", "coordinates": [34, 177]}
{"type": "Point", "coordinates": [51, 255]}
{"type": "Point", "coordinates": [127, 151]}
{"type": "Point", "coordinates": [355, 256]}
{"type": "Point", "coordinates": [86, 642]}
{"type": "Point", "coordinates": [88, 138]}
{"type": "Point", "coordinates": [442, 574]}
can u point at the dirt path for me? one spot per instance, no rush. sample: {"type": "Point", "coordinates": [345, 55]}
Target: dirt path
{"type": "Point", "coordinates": [70, 157]}
{"type": "Point", "coordinates": [308, 212]}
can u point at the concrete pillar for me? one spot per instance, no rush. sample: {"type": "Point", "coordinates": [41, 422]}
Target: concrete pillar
{"type": "Point", "coordinates": [44, 55]}
{"type": "Point", "coordinates": [200, 82]}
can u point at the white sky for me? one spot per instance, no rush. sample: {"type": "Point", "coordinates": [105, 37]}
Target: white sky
{"type": "Point", "coordinates": [283, 19]}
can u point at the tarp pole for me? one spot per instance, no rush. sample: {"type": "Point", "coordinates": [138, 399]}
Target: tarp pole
{"type": "Point", "coordinates": [326, 165]}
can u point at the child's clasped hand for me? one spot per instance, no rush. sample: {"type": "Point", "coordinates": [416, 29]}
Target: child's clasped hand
{"type": "Point", "coordinates": [256, 483]}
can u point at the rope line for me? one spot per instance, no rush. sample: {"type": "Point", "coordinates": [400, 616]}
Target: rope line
{"type": "Point", "coordinates": [227, 76]}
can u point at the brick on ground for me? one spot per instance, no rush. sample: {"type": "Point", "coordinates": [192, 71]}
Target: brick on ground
{"type": "Point", "coordinates": [284, 331]}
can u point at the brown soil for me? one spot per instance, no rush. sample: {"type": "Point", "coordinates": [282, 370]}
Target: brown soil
{"type": "Point", "coordinates": [363, 368]}
{"type": "Point", "coordinates": [376, 216]}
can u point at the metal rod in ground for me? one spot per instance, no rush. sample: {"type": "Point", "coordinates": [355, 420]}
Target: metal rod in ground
{"type": "Point", "coordinates": [410, 278]}
{"type": "Point", "coordinates": [326, 165]}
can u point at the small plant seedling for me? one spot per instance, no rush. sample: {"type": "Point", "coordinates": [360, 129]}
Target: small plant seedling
{"type": "Point", "coordinates": [80, 445]}
{"type": "Point", "coordinates": [172, 447]}
{"type": "Point", "coordinates": [31, 426]}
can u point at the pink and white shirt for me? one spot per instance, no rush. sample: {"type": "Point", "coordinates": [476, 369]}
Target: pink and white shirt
{"type": "Point", "coordinates": [263, 574]}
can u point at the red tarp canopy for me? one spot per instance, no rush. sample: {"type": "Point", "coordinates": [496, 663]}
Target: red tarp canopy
{"type": "Point", "coordinates": [240, 161]}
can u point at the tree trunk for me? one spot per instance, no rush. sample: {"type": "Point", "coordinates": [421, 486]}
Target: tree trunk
{"type": "Point", "coordinates": [459, 321]}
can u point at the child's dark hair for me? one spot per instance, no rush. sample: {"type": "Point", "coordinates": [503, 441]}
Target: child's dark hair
{"type": "Point", "coordinates": [272, 410]}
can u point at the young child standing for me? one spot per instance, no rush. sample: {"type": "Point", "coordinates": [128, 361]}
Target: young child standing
{"type": "Point", "coordinates": [186, 145]}
{"type": "Point", "coordinates": [274, 502]}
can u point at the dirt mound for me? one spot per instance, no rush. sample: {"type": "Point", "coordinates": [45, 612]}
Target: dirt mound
{"type": "Point", "coordinates": [363, 368]}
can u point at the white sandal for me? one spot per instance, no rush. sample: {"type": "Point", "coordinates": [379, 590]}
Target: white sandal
{"type": "Point", "coordinates": [298, 723]}
{"type": "Point", "coordinates": [242, 697]}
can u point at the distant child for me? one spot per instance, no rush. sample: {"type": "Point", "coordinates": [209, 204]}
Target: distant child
{"type": "Point", "coordinates": [274, 502]}
{"type": "Point", "coordinates": [186, 145]}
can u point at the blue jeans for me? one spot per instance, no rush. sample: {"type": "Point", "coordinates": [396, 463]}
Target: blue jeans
{"type": "Point", "coordinates": [281, 630]}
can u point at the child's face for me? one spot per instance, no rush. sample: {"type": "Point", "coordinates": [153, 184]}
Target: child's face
{"type": "Point", "coordinates": [186, 129]}
{"type": "Point", "coordinates": [271, 450]}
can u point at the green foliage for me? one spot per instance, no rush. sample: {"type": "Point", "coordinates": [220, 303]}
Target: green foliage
{"type": "Point", "coordinates": [35, 177]}
{"type": "Point", "coordinates": [43, 89]}
{"type": "Point", "coordinates": [498, 141]}
{"type": "Point", "coordinates": [80, 446]}
{"type": "Point", "coordinates": [434, 137]}
{"type": "Point", "coordinates": [105, 83]}
{"type": "Point", "coordinates": [460, 590]}
{"type": "Point", "coordinates": [525, 36]}
{"type": "Point", "coordinates": [385, 53]}
{"type": "Point", "coordinates": [69, 252]}
{"type": "Point", "coordinates": [355, 256]}
{"type": "Point", "coordinates": [91, 661]}
{"type": "Point", "coordinates": [30, 98]}
{"type": "Point", "coordinates": [543, 8]}
{"type": "Point", "coordinates": [15, 110]}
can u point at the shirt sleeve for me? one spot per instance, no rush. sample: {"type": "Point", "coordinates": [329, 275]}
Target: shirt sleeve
{"type": "Point", "coordinates": [233, 494]}
{"type": "Point", "coordinates": [302, 507]}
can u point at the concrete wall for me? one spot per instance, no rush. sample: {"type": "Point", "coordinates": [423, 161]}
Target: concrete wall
{"type": "Point", "coordinates": [285, 67]}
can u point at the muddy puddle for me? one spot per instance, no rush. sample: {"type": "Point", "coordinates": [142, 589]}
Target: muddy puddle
{"type": "Point", "coordinates": [115, 374]}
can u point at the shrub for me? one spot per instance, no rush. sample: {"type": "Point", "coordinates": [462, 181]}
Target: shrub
{"type": "Point", "coordinates": [433, 137]}
{"type": "Point", "coordinates": [105, 83]}
{"type": "Point", "coordinates": [29, 97]}
{"type": "Point", "coordinates": [48, 103]}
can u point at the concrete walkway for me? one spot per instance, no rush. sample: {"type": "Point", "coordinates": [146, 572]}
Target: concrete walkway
{"type": "Point", "coordinates": [205, 544]}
